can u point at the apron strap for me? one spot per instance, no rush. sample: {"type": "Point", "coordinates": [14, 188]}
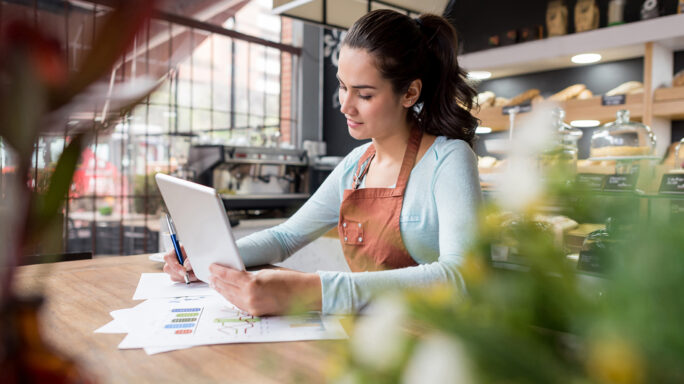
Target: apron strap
{"type": "Point", "coordinates": [363, 165]}
{"type": "Point", "coordinates": [407, 163]}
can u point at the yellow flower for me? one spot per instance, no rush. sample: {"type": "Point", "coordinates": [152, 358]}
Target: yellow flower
{"type": "Point", "coordinates": [473, 269]}
{"type": "Point", "coordinates": [615, 360]}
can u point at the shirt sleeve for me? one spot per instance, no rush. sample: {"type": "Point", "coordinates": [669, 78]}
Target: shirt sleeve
{"type": "Point", "coordinates": [317, 216]}
{"type": "Point", "coordinates": [457, 194]}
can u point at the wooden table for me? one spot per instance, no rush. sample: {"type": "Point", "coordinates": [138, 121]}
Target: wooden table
{"type": "Point", "coordinates": [80, 295]}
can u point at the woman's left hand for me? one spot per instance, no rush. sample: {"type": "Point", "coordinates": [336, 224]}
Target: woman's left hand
{"type": "Point", "coordinates": [268, 292]}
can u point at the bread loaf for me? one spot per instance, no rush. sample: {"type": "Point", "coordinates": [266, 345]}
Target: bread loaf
{"type": "Point", "coordinates": [500, 101]}
{"type": "Point", "coordinates": [523, 97]}
{"type": "Point", "coordinates": [626, 88]}
{"type": "Point", "coordinates": [585, 94]}
{"type": "Point", "coordinates": [586, 15]}
{"type": "Point", "coordinates": [568, 93]}
{"type": "Point", "coordinates": [618, 151]}
{"type": "Point", "coordinates": [557, 18]}
{"type": "Point", "coordinates": [486, 99]}
{"type": "Point", "coordinates": [678, 80]}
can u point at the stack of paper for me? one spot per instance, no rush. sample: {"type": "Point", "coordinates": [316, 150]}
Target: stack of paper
{"type": "Point", "coordinates": [176, 315]}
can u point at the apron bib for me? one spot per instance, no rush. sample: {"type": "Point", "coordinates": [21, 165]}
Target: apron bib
{"type": "Point", "coordinates": [369, 217]}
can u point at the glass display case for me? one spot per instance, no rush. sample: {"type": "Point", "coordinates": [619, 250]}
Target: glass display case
{"type": "Point", "coordinates": [622, 139]}
{"type": "Point", "coordinates": [563, 150]}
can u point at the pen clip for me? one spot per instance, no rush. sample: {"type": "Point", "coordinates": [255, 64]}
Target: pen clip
{"type": "Point", "coordinates": [169, 222]}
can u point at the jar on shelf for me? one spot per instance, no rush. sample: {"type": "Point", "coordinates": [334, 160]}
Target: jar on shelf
{"type": "Point", "coordinates": [679, 158]}
{"type": "Point", "coordinates": [563, 151]}
{"type": "Point", "coordinates": [623, 139]}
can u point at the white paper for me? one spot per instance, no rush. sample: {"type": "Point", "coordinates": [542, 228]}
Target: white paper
{"type": "Point", "coordinates": [118, 325]}
{"type": "Point", "coordinates": [189, 321]}
{"type": "Point", "coordinates": [113, 326]}
{"type": "Point", "coordinates": [158, 285]}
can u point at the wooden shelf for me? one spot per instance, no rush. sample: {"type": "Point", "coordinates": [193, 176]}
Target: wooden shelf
{"type": "Point", "coordinates": [574, 110]}
{"type": "Point", "coordinates": [613, 43]}
{"type": "Point", "coordinates": [669, 103]}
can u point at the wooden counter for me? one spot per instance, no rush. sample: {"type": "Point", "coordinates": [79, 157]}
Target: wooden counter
{"type": "Point", "coordinates": [80, 295]}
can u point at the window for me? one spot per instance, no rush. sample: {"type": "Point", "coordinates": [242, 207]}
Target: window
{"type": "Point", "coordinates": [222, 87]}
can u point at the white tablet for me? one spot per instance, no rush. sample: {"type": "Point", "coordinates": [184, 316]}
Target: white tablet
{"type": "Point", "coordinates": [201, 223]}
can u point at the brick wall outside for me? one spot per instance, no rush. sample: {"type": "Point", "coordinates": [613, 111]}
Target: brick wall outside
{"type": "Point", "coordinates": [286, 83]}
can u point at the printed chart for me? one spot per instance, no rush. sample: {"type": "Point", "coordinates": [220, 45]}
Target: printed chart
{"type": "Point", "coordinates": [199, 320]}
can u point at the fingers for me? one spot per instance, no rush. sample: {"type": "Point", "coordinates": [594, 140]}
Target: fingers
{"type": "Point", "coordinates": [174, 273]}
{"type": "Point", "coordinates": [230, 275]}
{"type": "Point", "coordinates": [231, 292]}
{"type": "Point", "coordinates": [174, 269]}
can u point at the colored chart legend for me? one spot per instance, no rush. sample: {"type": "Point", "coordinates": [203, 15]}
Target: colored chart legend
{"type": "Point", "coordinates": [183, 321]}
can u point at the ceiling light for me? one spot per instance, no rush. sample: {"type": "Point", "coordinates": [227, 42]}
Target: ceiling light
{"type": "Point", "coordinates": [586, 58]}
{"type": "Point", "coordinates": [483, 130]}
{"type": "Point", "coordinates": [585, 123]}
{"type": "Point", "coordinates": [479, 75]}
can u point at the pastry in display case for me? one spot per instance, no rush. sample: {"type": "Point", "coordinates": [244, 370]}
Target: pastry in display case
{"type": "Point", "coordinates": [678, 158]}
{"type": "Point", "coordinates": [622, 139]}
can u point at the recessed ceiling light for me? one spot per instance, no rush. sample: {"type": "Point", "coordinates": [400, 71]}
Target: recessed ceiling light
{"type": "Point", "coordinates": [586, 58]}
{"type": "Point", "coordinates": [585, 123]}
{"type": "Point", "coordinates": [483, 130]}
{"type": "Point", "coordinates": [479, 75]}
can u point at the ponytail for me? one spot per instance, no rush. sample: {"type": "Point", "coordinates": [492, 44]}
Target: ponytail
{"type": "Point", "coordinates": [425, 48]}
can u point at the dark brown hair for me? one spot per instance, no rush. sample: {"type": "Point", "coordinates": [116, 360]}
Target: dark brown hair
{"type": "Point", "coordinates": [425, 48]}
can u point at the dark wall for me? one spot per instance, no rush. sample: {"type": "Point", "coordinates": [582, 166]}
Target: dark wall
{"type": "Point", "coordinates": [599, 78]}
{"type": "Point", "coordinates": [476, 20]}
{"type": "Point", "coordinates": [335, 131]}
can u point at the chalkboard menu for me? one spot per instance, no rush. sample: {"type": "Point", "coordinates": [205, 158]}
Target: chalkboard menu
{"type": "Point", "coordinates": [621, 183]}
{"type": "Point", "coordinates": [590, 181]}
{"type": "Point", "coordinates": [672, 183]}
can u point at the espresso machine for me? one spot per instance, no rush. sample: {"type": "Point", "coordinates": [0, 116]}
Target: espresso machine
{"type": "Point", "coordinates": [252, 178]}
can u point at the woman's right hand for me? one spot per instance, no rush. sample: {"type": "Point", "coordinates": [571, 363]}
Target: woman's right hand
{"type": "Point", "coordinates": [176, 271]}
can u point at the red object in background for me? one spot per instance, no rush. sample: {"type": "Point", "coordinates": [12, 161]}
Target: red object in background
{"type": "Point", "coordinates": [97, 177]}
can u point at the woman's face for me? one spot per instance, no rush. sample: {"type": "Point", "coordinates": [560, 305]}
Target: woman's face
{"type": "Point", "coordinates": [368, 101]}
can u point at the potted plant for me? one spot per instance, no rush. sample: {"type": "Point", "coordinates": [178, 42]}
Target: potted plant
{"type": "Point", "coordinates": [37, 96]}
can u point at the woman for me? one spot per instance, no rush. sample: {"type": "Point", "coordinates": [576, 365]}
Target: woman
{"type": "Point", "coordinates": [404, 204]}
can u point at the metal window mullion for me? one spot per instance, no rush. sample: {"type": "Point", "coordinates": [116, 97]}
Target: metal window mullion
{"type": "Point", "coordinates": [122, 154]}
{"type": "Point", "coordinates": [232, 83]}
{"type": "Point", "coordinates": [263, 121]}
{"type": "Point", "coordinates": [211, 86]}
{"type": "Point", "coordinates": [192, 77]}
{"type": "Point", "coordinates": [249, 84]}
{"type": "Point", "coordinates": [146, 189]}
{"type": "Point", "coordinates": [93, 225]}
{"type": "Point", "coordinates": [65, 220]}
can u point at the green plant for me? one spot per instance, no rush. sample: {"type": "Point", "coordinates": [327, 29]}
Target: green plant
{"type": "Point", "coordinates": [38, 95]}
{"type": "Point", "coordinates": [539, 321]}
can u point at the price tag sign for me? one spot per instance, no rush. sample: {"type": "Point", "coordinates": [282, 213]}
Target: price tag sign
{"type": "Point", "coordinates": [613, 100]}
{"type": "Point", "coordinates": [672, 183]}
{"type": "Point", "coordinates": [621, 183]}
{"type": "Point", "coordinates": [520, 108]}
{"type": "Point", "coordinates": [592, 261]}
{"type": "Point", "coordinates": [590, 181]}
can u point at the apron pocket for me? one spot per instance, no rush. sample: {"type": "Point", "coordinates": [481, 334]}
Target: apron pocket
{"type": "Point", "coordinates": [353, 232]}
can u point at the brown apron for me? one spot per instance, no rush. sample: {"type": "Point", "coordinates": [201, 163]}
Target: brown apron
{"type": "Point", "coordinates": [369, 217]}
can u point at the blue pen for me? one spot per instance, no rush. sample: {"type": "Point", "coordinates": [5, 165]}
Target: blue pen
{"type": "Point", "coordinates": [176, 245]}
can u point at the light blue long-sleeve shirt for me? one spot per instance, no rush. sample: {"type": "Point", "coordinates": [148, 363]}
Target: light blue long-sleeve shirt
{"type": "Point", "coordinates": [437, 223]}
